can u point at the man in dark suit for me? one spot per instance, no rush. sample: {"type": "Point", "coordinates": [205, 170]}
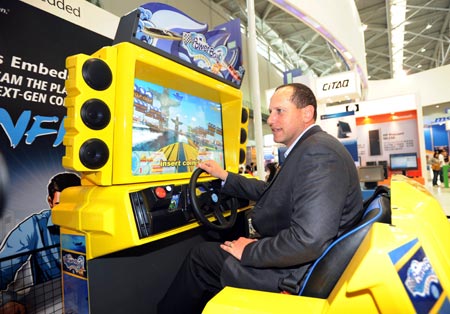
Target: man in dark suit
{"type": "Point", "coordinates": [314, 198]}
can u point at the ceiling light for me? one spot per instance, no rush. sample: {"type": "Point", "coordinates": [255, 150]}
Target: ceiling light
{"type": "Point", "coordinates": [347, 55]}
{"type": "Point", "coordinates": [423, 50]}
{"type": "Point", "coordinates": [428, 26]}
{"type": "Point", "coordinates": [363, 27]}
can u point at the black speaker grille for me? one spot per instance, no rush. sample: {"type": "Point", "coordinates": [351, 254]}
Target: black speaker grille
{"type": "Point", "coordinates": [95, 114]}
{"type": "Point", "coordinates": [94, 153]}
{"type": "Point", "coordinates": [97, 74]}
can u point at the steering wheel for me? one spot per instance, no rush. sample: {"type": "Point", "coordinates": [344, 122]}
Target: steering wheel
{"type": "Point", "coordinates": [205, 198]}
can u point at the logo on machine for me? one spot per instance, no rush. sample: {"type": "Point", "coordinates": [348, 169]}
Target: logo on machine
{"type": "Point", "coordinates": [418, 277]}
{"type": "Point", "coordinates": [74, 263]}
{"type": "Point", "coordinates": [421, 279]}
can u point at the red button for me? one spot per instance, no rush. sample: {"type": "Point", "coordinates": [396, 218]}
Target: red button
{"type": "Point", "coordinates": [160, 192]}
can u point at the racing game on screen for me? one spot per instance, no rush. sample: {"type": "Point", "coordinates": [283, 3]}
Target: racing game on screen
{"type": "Point", "coordinates": [173, 130]}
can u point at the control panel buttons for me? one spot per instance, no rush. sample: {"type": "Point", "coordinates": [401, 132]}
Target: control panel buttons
{"type": "Point", "coordinates": [160, 192]}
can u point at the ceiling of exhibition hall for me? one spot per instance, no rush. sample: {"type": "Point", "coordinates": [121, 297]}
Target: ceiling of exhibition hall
{"type": "Point", "coordinates": [425, 31]}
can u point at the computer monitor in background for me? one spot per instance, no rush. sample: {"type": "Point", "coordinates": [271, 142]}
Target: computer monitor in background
{"type": "Point", "coordinates": [343, 129]}
{"type": "Point", "coordinates": [371, 175]}
{"type": "Point", "coordinates": [403, 162]}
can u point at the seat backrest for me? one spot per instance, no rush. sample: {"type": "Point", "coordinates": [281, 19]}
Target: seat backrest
{"type": "Point", "coordinates": [324, 273]}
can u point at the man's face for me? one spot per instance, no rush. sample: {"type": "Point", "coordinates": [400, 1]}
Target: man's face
{"type": "Point", "coordinates": [286, 120]}
{"type": "Point", "coordinates": [53, 202]}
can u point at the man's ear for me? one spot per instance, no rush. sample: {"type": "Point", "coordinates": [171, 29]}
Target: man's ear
{"type": "Point", "coordinates": [308, 113]}
{"type": "Point", "coordinates": [49, 201]}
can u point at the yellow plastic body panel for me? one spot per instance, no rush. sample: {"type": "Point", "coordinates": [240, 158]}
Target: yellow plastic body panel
{"type": "Point", "coordinates": [371, 282]}
{"type": "Point", "coordinates": [78, 92]}
{"type": "Point", "coordinates": [105, 216]}
{"type": "Point", "coordinates": [236, 301]}
{"type": "Point", "coordinates": [128, 62]}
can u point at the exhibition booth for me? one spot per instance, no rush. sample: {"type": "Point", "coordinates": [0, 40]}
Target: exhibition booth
{"type": "Point", "coordinates": [133, 107]}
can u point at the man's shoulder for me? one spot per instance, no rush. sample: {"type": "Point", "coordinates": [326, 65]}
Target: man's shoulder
{"type": "Point", "coordinates": [43, 215]}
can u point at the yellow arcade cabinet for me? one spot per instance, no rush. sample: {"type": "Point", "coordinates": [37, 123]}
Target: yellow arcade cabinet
{"type": "Point", "coordinates": [139, 119]}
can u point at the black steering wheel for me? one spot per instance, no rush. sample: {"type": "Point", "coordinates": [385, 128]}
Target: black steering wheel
{"type": "Point", "coordinates": [205, 199]}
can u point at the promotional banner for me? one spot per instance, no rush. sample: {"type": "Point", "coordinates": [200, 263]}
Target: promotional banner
{"type": "Point", "coordinates": [34, 45]}
{"type": "Point", "coordinates": [168, 31]}
{"type": "Point", "coordinates": [381, 136]}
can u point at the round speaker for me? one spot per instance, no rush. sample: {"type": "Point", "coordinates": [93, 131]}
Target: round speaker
{"type": "Point", "coordinates": [97, 74]}
{"type": "Point", "coordinates": [95, 114]}
{"type": "Point", "coordinates": [243, 136]}
{"type": "Point", "coordinates": [244, 116]}
{"type": "Point", "coordinates": [94, 153]}
{"type": "Point", "coordinates": [241, 156]}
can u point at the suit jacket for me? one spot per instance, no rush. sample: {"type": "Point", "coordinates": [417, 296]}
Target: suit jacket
{"type": "Point", "coordinates": [315, 197]}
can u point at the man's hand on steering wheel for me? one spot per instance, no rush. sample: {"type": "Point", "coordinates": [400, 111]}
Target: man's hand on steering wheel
{"type": "Point", "coordinates": [214, 169]}
{"type": "Point", "coordinates": [206, 199]}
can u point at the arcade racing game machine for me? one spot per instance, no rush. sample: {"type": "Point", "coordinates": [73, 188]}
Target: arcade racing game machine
{"type": "Point", "coordinates": [141, 115]}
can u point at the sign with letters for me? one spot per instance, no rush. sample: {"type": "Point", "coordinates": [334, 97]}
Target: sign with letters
{"type": "Point", "coordinates": [338, 87]}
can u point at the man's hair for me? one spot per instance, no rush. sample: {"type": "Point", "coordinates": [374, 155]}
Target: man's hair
{"type": "Point", "coordinates": [302, 96]}
{"type": "Point", "coordinates": [61, 181]}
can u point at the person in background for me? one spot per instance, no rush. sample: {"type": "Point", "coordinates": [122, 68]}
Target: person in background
{"type": "Point", "coordinates": [271, 170]}
{"type": "Point", "coordinates": [435, 167]}
{"type": "Point", "coordinates": [314, 198]}
{"type": "Point", "coordinates": [32, 236]}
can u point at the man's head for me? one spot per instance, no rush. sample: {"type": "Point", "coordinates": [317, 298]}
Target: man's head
{"type": "Point", "coordinates": [58, 183]}
{"type": "Point", "coordinates": [292, 109]}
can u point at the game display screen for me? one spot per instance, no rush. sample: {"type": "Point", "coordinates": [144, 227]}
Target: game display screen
{"type": "Point", "coordinates": [173, 131]}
